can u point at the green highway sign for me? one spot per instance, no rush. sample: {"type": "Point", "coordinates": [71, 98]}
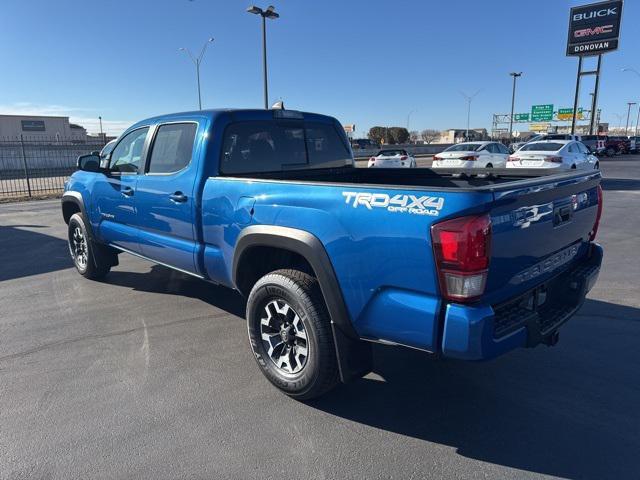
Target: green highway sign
{"type": "Point", "coordinates": [542, 113]}
{"type": "Point", "coordinates": [521, 117]}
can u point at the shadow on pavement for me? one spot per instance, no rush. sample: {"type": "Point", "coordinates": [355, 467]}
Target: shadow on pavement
{"type": "Point", "coordinates": [25, 252]}
{"type": "Point", "coordinates": [165, 280]}
{"type": "Point", "coordinates": [571, 413]}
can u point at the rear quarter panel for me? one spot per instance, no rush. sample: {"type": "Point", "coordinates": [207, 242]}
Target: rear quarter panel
{"type": "Point", "coordinates": [380, 257]}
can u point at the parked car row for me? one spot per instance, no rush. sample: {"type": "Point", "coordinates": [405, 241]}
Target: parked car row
{"type": "Point", "coordinates": [608, 145]}
{"type": "Point", "coordinates": [559, 154]}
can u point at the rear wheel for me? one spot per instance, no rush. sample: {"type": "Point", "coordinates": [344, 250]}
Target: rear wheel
{"type": "Point", "coordinates": [610, 152]}
{"type": "Point", "coordinates": [91, 260]}
{"type": "Point", "coordinates": [290, 334]}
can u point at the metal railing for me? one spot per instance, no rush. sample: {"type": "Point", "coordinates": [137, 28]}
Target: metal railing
{"type": "Point", "coordinates": [37, 166]}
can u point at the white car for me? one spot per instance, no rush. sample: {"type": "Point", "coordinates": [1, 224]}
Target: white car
{"type": "Point", "coordinates": [559, 154]}
{"type": "Point", "coordinates": [392, 158]}
{"type": "Point", "coordinates": [472, 155]}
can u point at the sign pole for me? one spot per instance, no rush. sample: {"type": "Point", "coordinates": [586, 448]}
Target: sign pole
{"type": "Point", "coordinates": [594, 100]}
{"type": "Point", "coordinates": [575, 99]}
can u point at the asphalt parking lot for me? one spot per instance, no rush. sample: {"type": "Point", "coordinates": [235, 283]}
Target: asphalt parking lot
{"type": "Point", "coordinates": [149, 374]}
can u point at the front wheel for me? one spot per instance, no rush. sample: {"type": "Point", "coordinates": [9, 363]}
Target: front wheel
{"type": "Point", "coordinates": [90, 259]}
{"type": "Point", "coordinates": [290, 334]}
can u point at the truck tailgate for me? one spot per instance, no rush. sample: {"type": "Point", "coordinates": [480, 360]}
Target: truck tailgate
{"type": "Point", "coordinates": [539, 231]}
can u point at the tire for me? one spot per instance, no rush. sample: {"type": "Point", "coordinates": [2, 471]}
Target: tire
{"type": "Point", "coordinates": [290, 301]}
{"type": "Point", "coordinates": [90, 259]}
{"type": "Point", "coordinates": [610, 152]}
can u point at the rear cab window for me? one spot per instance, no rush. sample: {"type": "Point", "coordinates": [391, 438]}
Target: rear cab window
{"type": "Point", "coordinates": [271, 146]}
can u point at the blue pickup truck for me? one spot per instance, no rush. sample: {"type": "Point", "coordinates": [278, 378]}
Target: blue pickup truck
{"type": "Point", "coordinates": [330, 257]}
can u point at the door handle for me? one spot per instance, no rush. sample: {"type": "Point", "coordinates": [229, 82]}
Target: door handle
{"type": "Point", "coordinates": [178, 197]}
{"type": "Point", "coordinates": [127, 191]}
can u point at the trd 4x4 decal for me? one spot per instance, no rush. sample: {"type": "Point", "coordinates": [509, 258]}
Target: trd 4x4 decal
{"type": "Point", "coordinates": [417, 205]}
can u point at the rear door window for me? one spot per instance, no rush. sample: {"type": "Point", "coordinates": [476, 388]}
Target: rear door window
{"type": "Point", "coordinates": [172, 147]}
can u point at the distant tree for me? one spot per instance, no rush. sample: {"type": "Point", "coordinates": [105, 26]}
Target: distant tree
{"type": "Point", "coordinates": [398, 135]}
{"type": "Point", "coordinates": [429, 135]}
{"type": "Point", "coordinates": [378, 134]}
{"type": "Point", "coordinates": [414, 135]}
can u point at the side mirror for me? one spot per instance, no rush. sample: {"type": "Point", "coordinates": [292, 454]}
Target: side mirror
{"type": "Point", "coordinates": [89, 162]}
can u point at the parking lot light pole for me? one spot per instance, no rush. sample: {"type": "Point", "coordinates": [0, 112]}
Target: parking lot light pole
{"type": "Point", "coordinates": [271, 15]}
{"type": "Point", "coordinates": [515, 76]}
{"type": "Point", "coordinates": [197, 61]}
{"type": "Point", "coordinates": [101, 134]}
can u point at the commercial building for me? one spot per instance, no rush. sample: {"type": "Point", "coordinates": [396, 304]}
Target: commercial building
{"type": "Point", "coordinates": [38, 126]}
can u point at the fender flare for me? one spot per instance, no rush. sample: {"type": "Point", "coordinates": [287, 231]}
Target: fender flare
{"type": "Point", "coordinates": [76, 198]}
{"type": "Point", "coordinates": [354, 355]}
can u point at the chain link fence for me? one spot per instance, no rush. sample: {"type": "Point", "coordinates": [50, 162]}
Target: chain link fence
{"type": "Point", "coordinates": [37, 166]}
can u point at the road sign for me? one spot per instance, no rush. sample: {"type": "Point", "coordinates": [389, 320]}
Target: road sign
{"type": "Point", "coordinates": [594, 28]}
{"type": "Point", "coordinates": [349, 128]}
{"type": "Point", "coordinates": [567, 114]}
{"type": "Point", "coordinates": [521, 117]}
{"type": "Point", "coordinates": [539, 127]}
{"type": "Point", "coordinates": [542, 113]}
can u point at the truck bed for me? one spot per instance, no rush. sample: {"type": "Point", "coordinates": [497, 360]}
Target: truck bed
{"type": "Point", "coordinates": [441, 179]}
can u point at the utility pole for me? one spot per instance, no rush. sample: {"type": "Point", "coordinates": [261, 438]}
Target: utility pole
{"type": "Point", "coordinates": [515, 76]}
{"type": "Point", "coordinates": [197, 61]}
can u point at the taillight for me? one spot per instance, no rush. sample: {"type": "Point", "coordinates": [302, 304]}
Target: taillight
{"type": "Point", "coordinates": [436, 158]}
{"type": "Point", "coordinates": [372, 159]}
{"type": "Point", "coordinates": [403, 157]}
{"type": "Point", "coordinates": [511, 158]}
{"type": "Point", "coordinates": [462, 248]}
{"type": "Point", "coordinates": [469, 157]}
{"type": "Point", "coordinates": [554, 159]}
{"type": "Point", "coordinates": [594, 230]}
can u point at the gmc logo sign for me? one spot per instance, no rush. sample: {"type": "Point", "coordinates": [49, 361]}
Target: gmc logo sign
{"type": "Point", "coordinates": [589, 32]}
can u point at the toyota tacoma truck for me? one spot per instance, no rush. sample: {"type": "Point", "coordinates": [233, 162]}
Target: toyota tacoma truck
{"type": "Point", "coordinates": [330, 257]}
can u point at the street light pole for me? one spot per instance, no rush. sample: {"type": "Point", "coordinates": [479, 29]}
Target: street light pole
{"type": "Point", "coordinates": [409, 118]}
{"type": "Point", "coordinates": [197, 61]}
{"type": "Point", "coordinates": [271, 14]}
{"type": "Point", "coordinates": [515, 76]}
{"type": "Point", "coordinates": [468, 98]}
{"type": "Point", "coordinates": [626, 127]}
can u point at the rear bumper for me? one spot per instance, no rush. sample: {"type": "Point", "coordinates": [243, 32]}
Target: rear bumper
{"type": "Point", "coordinates": [486, 331]}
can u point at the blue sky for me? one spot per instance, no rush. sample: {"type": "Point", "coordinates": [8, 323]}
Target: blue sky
{"type": "Point", "coordinates": [365, 62]}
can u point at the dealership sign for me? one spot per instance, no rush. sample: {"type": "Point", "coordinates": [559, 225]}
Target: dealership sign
{"type": "Point", "coordinates": [594, 29]}
{"type": "Point", "coordinates": [542, 113]}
